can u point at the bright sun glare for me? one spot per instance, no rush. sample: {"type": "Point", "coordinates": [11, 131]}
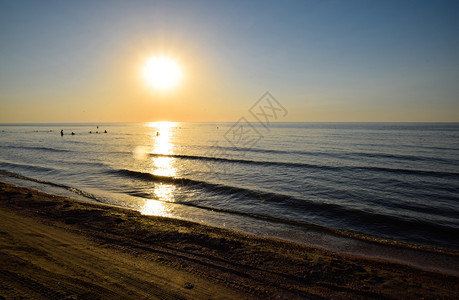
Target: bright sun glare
{"type": "Point", "coordinates": [162, 73]}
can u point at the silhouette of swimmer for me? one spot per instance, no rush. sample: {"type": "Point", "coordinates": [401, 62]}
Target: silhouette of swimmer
{"type": "Point", "coordinates": [105, 131]}
{"type": "Point", "coordinates": [157, 133]}
{"type": "Point", "coordinates": [90, 131]}
{"type": "Point", "coordinates": [62, 132]}
{"type": "Point", "coordinates": [73, 133]}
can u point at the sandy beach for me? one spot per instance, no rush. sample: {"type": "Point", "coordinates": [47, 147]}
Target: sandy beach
{"type": "Point", "coordinates": [57, 247]}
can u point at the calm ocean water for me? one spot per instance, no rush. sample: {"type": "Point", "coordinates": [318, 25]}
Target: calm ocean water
{"type": "Point", "coordinates": [383, 181]}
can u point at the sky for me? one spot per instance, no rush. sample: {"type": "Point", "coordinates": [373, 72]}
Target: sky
{"type": "Point", "coordinates": [323, 61]}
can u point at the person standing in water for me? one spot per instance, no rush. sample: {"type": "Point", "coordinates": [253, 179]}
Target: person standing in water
{"type": "Point", "coordinates": [62, 132]}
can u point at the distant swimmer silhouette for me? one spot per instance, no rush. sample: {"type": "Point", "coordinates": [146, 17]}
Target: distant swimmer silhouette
{"type": "Point", "coordinates": [105, 131]}
{"type": "Point", "coordinates": [157, 133]}
{"type": "Point", "coordinates": [90, 131]}
{"type": "Point", "coordinates": [62, 132]}
{"type": "Point", "coordinates": [73, 133]}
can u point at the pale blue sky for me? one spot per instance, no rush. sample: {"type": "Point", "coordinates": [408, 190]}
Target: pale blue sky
{"type": "Point", "coordinates": [323, 60]}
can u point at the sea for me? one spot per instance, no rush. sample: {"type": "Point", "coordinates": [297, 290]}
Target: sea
{"type": "Point", "coordinates": [335, 185]}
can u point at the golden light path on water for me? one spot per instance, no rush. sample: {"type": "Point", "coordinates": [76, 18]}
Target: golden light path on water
{"type": "Point", "coordinates": [161, 166]}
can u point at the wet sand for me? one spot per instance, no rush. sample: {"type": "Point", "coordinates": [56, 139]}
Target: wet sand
{"type": "Point", "coordinates": [58, 247]}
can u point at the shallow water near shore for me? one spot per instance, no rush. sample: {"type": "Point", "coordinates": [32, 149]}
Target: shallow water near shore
{"type": "Point", "coordinates": [385, 182]}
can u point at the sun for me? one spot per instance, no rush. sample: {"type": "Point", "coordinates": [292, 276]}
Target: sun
{"type": "Point", "coordinates": [162, 72]}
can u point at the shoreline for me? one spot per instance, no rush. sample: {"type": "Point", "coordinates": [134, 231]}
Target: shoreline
{"type": "Point", "coordinates": [223, 261]}
{"type": "Point", "coordinates": [429, 258]}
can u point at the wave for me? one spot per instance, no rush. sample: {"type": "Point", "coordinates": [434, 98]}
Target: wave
{"type": "Point", "coordinates": [37, 148]}
{"type": "Point", "coordinates": [346, 233]}
{"type": "Point", "coordinates": [401, 157]}
{"type": "Point", "coordinates": [69, 188]}
{"type": "Point", "coordinates": [87, 163]}
{"type": "Point", "coordinates": [331, 153]}
{"type": "Point", "coordinates": [312, 166]}
{"type": "Point", "coordinates": [351, 216]}
{"type": "Point", "coordinates": [35, 168]}
{"type": "Point", "coordinates": [42, 169]}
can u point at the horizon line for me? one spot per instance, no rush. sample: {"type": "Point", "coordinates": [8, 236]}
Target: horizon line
{"type": "Point", "coordinates": [139, 122]}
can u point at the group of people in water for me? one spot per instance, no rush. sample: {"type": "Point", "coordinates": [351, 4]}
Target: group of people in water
{"type": "Point", "coordinates": [62, 132]}
{"type": "Point", "coordinates": [98, 131]}
{"type": "Point", "coordinates": [73, 133]}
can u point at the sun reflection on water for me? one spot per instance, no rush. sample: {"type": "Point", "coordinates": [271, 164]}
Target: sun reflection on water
{"type": "Point", "coordinates": [161, 166]}
{"type": "Point", "coordinates": [165, 192]}
{"type": "Point", "coordinates": [155, 208]}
